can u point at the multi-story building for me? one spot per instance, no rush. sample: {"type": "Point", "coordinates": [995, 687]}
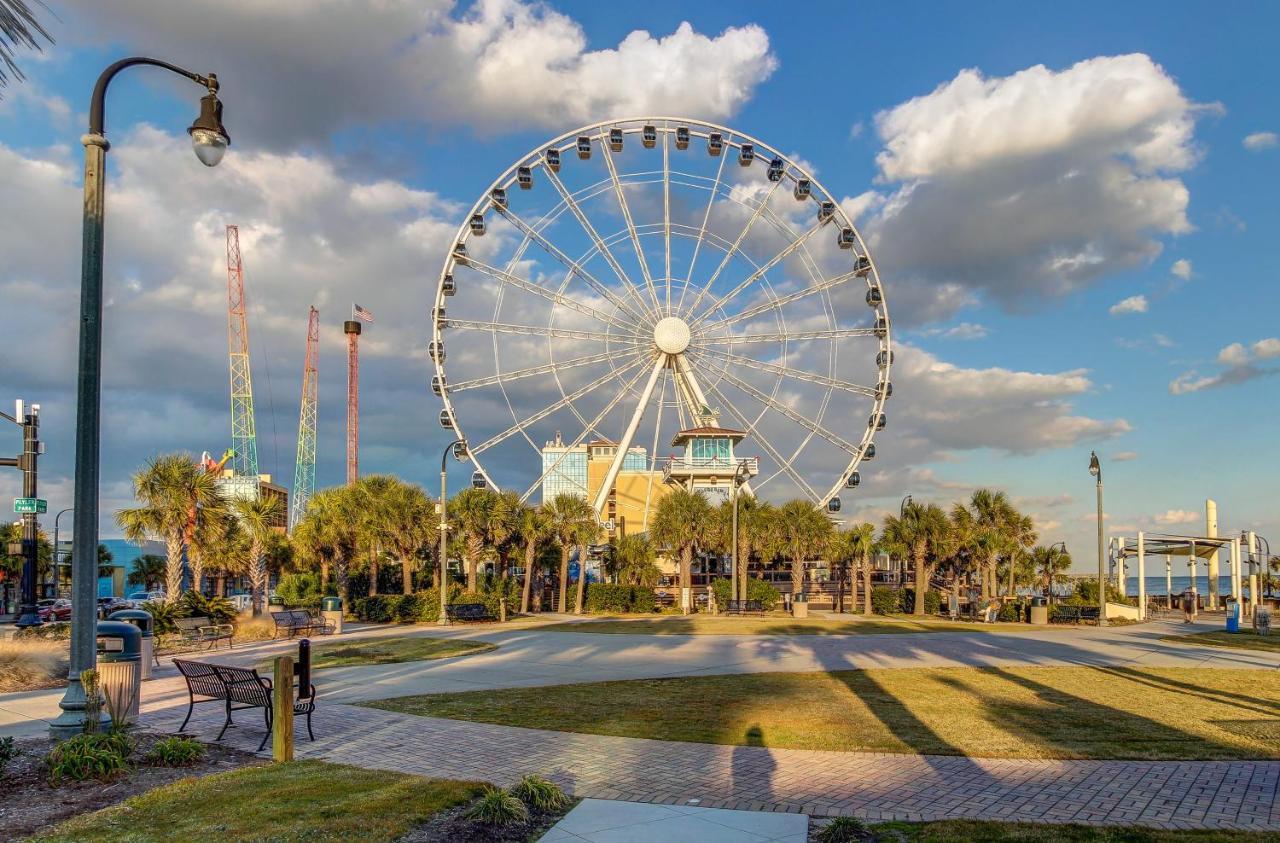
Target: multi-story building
{"type": "Point", "coordinates": [581, 469]}
{"type": "Point", "coordinates": [239, 487]}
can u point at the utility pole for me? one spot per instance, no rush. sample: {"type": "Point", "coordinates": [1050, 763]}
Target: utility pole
{"type": "Point", "coordinates": [28, 418]}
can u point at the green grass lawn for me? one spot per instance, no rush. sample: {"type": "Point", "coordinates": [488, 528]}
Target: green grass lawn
{"type": "Point", "coordinates": [390, 650]}
{"type": "Point", "coordinates": [1037, 712]}
{"type": "Point", "coordinates": [779, 624]}
{"type": "Point", "coordinates": [301, 800]}
{"type": "Point", "coordinates": [1245, 639]}
{"type": "Point", "coordinates": [964, 831]}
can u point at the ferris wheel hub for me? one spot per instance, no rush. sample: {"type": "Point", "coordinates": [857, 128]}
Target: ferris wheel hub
{"type": "Point", "coordinates": [671, 335]}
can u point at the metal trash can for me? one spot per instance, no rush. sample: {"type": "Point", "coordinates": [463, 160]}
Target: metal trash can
{"type": "Point", "coordinates": [1039, 611]}
{"type": "Point", "coordinates": [146, 625]}
{"type": "Point", "coordinates": [1233, 615]}
{"type": "Point", "coordinates": [1262, 620]}
{"type": "Point", "coordinates": [331, 609]}
{"type": "Point", "coordinates": [119, 676]}
{"type": "Point", "coordinates": [800, 605]}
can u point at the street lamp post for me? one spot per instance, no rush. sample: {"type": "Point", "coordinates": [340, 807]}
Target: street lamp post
{"type": "Point", "coordinates": [1095, 468]}
{"type": "Point", "coordinates": [902, 514]}
{"type": "Point", "coordinates": [56, 519]}
{"type": "Point", "coordinates": [459, 449]}
{"type": "Point", "coordinates": [209, 140]}
{"type": "Point", "coordinates": [733, 575]}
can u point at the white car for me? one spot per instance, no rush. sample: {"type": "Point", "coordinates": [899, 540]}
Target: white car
{"type": "Point", "coordinates": [139, 597]}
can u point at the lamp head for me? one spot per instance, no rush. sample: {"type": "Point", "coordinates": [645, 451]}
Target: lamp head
{"type": "Point", "coordinates": [209, 137]}
{"type": "Point", "coordinates": [1095, 468]}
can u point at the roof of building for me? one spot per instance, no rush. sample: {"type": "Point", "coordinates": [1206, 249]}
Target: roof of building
{"type": "Point", "coordinates": [695, 432]}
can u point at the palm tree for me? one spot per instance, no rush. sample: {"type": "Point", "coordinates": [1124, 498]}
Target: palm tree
{"type": "Point", "coordinates": [147, 571]}
{"type": "Point", "coordinates": [214, 532]}
{"type": "Point", "coordinates": [170, 488]}
{"type": "Point", "coordinates": [1022, 535]}
{"type": "Point", "coordinates": [535, 531]}
{"type": "Point", "coordinates": [684, 523]}
{"type": "Point", "coordinates": [504, 531]}
{"type": "Point", "coordinates": [400, 519]}
{"type": "Point", "coordinates": [19, 27]}
{"type": "Point", "coordinates": [1050, 562]}
{"type": "Point", "coordinates": [633, 560]}
{"type": "Point", "coordinates": [802, 533]}
{"type": "Point", "coordinates": [258, 518]}
{"type": "Point", "coordinates": [840, 556]}
{"type": "Point", "coordinates": [862, 541]}
{"type": "Point", "coordinates": [753, 524]}
{"type": "Point", "coordinates": [572, 522]}
{"type": "Point", "coordinates": [326, 534]}
{"type": "Point", "coordinates": [922, 534]}
{"type": "Point", "coordinates": [472, 509]}
{"type": "Point", "coordinates": [990, 522]}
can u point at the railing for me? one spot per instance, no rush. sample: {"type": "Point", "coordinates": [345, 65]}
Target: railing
{"type": "Point", "coordinates": [707, 464]}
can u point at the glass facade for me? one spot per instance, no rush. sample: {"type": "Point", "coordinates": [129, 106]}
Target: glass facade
{"type": "Point", "coordinates": [569, 476]}
{"type": "Point", "coordinates": [708, 449]}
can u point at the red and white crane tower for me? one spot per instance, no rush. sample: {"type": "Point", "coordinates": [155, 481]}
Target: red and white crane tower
{"type": "Point", "coordinates": [352, 329]}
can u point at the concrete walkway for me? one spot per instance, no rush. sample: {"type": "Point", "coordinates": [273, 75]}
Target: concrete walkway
{"type": "Point", "coordinates": [612, 821]}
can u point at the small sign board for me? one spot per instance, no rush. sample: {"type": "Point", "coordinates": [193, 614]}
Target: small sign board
{"type": "Point", "coordinates": [27, 505]}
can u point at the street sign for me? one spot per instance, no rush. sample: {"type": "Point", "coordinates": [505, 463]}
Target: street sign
{"type": "Point", "coordinates": [37, 505]}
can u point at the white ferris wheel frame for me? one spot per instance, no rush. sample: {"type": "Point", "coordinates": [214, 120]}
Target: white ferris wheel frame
{"type": "Point", "coordinates": [638, 349]}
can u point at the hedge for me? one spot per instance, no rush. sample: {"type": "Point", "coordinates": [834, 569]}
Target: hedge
{"type": "Point", "coordinates": [756, 590]}
{"type": "Point", "coordinates": [884, 601]}
{"type": "Point", "coordinates": [615, 597]}
{"type": "Point", "coordinates": [907, 601]}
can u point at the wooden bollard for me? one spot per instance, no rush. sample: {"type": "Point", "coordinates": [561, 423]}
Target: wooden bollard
{"type": "Point", "coordinates": [282, 710]}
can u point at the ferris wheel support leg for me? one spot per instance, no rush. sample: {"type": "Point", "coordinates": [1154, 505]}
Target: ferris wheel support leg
{"type": "Point", "coordinates": [602, 496]}
{"type": "Point", "coordinates": [699, 409]}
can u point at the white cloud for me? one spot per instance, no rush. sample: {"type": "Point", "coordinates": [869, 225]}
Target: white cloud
{"type": "Point", "coordinates": [1022, 187]}
{"type": "Point", "coordinates": [963, 331]}
{"type": "Point", "coordinates": [1239, 363]}
{"type": "Point", "coordinates": [1260, 140]}
{"type": "Point", "coordinates": [1162, 341]}
{"type": "Point", "coordinates": [1181, 268]}
{"type": "Point", "coordinates": [1177, 516]}
{"type": "Point", "coordinates": [1124, 456]}
{"type": "Point", "coordinates": [1133, 304]}
{"type": "Point", "coordinates": [1233, 355]}
{"type": "Point", "coordinates": [1267, 348]}
{"type": "Point", "coordinates": [294, 72]}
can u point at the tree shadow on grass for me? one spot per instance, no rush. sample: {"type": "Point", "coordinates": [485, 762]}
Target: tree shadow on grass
{"type": "Point", "coordinates": [1265, 707]}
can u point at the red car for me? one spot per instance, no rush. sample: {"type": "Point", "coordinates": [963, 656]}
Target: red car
{"type": "Point", "coordinates": [58, 610]}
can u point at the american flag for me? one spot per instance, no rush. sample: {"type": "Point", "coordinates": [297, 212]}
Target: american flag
{"type": "Point", "coordinates": [360, 313]}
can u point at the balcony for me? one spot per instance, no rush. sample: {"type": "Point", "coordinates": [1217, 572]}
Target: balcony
{"type": "Point", "coordinates": [700, 469]}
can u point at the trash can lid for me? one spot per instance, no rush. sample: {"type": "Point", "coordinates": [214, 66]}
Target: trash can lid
{"type": "Point", "coordinates": [117, 629]}
{"type": "Point", "coordinates": [145, 618]}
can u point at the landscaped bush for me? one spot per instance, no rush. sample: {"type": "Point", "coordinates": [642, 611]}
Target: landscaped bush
{"type": "Point", "coordinates": [1013, 612]}
{"type": "Point", "coordinates": [498, 808]}
{"type": "Point", "coordinates": [843, 830]}
{"type": "Point", "coordinates": [300, 590]}
{"type": "Point", "coordinates": [59, 631]}
{"type": "Point", "coordinates": [98, 756]}
{"type": "Point", "coordinates": [615, 597]}
{"type": "Point", "coordinates": [885, 601]}
{"type": "Point", "coordinates": [175, 752]}
{"type": "Point", "coordinates": [9, 751]}
{"type": "Point", "coordinates": [217, 609]}
{"type": "Point", "coordinates": [907, 601]}
{"type": "Point", "coordinates": [255, 629]}
{"type": "Point", "coordinates": [756, 590]}
{"type": "Point", "coordinates": [540, 794]}
{"type": "Point", "coordinates": [165, 615]}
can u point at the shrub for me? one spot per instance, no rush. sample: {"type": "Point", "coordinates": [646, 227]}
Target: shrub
{"type": "Point", "coordinates": [1012, 612]}
{"type": "Point", "coordinates": [300, 590]}
{"type": "Point", "coordinates": [615, 597]}
{"type": "Point", "coordinates": [756, 590]}
{"type": "Point", "coordinates": [217, 609]}
{"type": "Point", "coordinates": [374, 609]}
{"type": "Point", "coordinates": [9, 751]}
{"type": "Point", "coordinates": [165, 616]}
{"type": "Point", "coordinates": [885, 601]}
{"type": "Point", "coordinates": [28, 663]}
{"type": "Point", "coordinates": [175, 752]}
{"type": "Point", "coordinates": [540, 794]}
{"type": "Point", "coordinates": [498, 808]}
{"type": "Point", "coordinates": [59, 631]}
{"type": "Point", "coordinates": [98, 756]}
{"type": "Point", "coordinates": [843, 830]}
{"type": "Point", "coordinates": [254, 629]}
{"type": "Point", "coordinates": [932, 601]}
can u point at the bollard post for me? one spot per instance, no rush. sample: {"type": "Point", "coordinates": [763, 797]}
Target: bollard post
{"type": "Point", "coordinates": [282, 710]}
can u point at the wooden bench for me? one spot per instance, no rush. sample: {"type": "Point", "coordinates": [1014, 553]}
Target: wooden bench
{"type": "Point", "coordinates": [468, 612]}
{"type": "Point", "coordinates": [744, 607]}
{"type": "Point", "coordinates": [238, 688]}
{"type": "Point", "coordinates": [294, 621]}
{"type": "Point", "coordinates": [200, 631]}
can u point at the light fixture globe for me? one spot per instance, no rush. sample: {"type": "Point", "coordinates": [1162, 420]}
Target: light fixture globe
{"type": "Point", "coordinates": [209, 137]}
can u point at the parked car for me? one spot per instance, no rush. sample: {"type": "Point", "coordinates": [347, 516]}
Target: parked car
{"type": "Point", "coordinates": [58, 610]}
{"type": "Point", "coordinates": [107, 605]}
{"type": "Point", "coordinates": [139, 597]}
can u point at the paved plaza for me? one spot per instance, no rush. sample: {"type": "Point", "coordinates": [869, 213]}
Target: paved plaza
{"type": "Point", "coordinates": [1170, 794]}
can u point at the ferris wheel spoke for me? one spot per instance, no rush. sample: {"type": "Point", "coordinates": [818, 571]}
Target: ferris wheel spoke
{"type": "Point", "coordinates": [776, 405]}
{"type": "Point", "coordinates": [605, 253]}
{"type": "Point", "coordinates": [756, 436]}
{"type": "Point", "coordinates": [760, 271]}
{"type": "Point", "coordinates": [729, 253]}
{"type": "Point", "coordinates": [798, 374]}
{"type": "Point", "coordinates": [558, 405]}
{"type": "Point", "coordinates": [781, 301]}
{"type": "Point", "coordinates": [832, 334]}
{"type": "Point", "coordinates": [631, 226]}
{"type": "Point", "coordinates": [549, 295]}
{"type": "Point", "coordinates": [576, 268]}
{"type": "Point", "coordinates": [540, 331]}
{"type": "Point", "coordinates": [587, 429]}
{"type": "Point", "coordinates": [666, 212]}
{"type": "Point", "coordinates": [545, 368]}
{"type": "Point", "coordinates": [702, 231]}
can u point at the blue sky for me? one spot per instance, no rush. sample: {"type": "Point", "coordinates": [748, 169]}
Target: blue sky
{"type": "Point", "coordinates": [821, 83]}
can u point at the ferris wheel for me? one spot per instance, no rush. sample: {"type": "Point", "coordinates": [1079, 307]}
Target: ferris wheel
{"type": "Point", "coordinates": [635, 278]}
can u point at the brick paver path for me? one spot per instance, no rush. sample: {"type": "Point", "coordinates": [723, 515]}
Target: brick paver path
{"type": "Point", "coordinates": [1166, 794]}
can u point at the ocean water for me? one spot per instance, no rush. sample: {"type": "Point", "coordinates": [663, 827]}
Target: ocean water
{"type": "Point", "coordinates": [1156, 584]}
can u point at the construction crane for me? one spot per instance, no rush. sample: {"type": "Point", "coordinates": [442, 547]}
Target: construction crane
{"type": "Point", "coordinates": [244, 440]}
{"type": "Point", "coordinates": [304, 467]}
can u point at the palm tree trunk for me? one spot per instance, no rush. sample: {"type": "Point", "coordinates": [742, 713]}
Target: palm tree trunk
{"type": "Point", "coordinates": [173, 567]}
{"type": "Point", "coordinates": [744, 557]}
{"type": "Point", "coordinates": [866, 586]}
{"type": "Point", "coordinates": [324, 574]}
{"type": "Point", "coordinates": [220, 584]}
{"type": "Point", "coordinates": [406, 575]}
{"type": "Point", "coordinates": [471, 572]}
{"type": "Point", "coordinates": [686, 579]}
{"type": "Point", "coordinates": [562, 599]}
{"type": "Point", "coordinates": [196, 564]}
{"type": "Point", "coordinates": [582, 578]}
{"type": "Point", "coordinates": [257, 577]}
{"type": "Point", "coordinates": [1011, 573]}
{"type": "Point", "coordinates": [797, 577]}
{"type": "Point", "coordinates": [922, 584]}
{"type": "Point", "coordinates": [373, 576]}
{"type": "Point", "coordinates": [526, 586]}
